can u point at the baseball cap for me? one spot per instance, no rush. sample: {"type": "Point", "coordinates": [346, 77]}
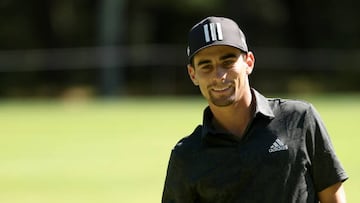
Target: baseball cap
{"type": "Point", "coordinates": [215, 31]}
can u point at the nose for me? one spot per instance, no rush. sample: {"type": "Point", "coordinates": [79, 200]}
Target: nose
{"type": "Point", "coordinates": [220, 74]}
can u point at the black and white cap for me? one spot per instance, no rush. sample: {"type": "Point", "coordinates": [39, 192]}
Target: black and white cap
{"type": "Point", "coordinates": [215, 31]}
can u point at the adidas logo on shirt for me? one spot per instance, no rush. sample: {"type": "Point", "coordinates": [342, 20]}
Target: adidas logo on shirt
{"type": "Point", "coordinates": [278, 146]}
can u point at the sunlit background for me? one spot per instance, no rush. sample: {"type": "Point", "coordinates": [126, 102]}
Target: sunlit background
{"type": "Point", "coordinates": [94, 94]}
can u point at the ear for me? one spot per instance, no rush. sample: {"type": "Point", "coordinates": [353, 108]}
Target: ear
{"type": "Point", "coordinates": [250, 61]}
{"type": "Point", "coordinates": [191, 72]}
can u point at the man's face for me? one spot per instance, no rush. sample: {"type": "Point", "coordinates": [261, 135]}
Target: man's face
{"type": "Point", "coordinates": [221, 72]}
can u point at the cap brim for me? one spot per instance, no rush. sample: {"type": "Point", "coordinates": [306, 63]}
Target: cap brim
{"type": "Point", "coordinates": [217, 43]}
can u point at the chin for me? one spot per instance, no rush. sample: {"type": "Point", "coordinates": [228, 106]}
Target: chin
{"type": "Point", "coordinates": [222, 102]}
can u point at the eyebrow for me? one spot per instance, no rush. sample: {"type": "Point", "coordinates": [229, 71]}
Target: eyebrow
{"type": "Point", "coordinates": [227, 56]}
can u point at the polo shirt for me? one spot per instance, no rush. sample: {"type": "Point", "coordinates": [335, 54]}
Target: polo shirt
{"type": "Point", "coordinates": [285, 155]}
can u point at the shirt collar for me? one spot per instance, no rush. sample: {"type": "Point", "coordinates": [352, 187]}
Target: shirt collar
{"type": "Point", "coordinates": [262, 109]}
{"type": "Point", "coordinates": [262, 105]}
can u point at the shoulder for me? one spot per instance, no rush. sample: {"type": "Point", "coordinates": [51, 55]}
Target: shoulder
{"type": "Point", "coordinates": [189, 143]}
{"type": "Point", "coordinates": [280, 107]}
{"type": "Point", "coordinates": [293, 113]}
{"type": "Point", "coordinates": [289, 106]}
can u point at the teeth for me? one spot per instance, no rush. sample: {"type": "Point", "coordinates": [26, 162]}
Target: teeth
{"type": "Point", "coordinates": [220, 89]}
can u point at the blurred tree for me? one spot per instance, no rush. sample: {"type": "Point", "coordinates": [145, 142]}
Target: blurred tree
{"type": "Point", "coordinates": [47, 24]}
{"type": "Point", "coordinates": [111, 31]}
{"type": "Point", "coordinates": [298, 26]}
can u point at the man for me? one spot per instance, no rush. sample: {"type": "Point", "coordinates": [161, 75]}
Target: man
{"type": "Point", "coordinates": [249, 148]}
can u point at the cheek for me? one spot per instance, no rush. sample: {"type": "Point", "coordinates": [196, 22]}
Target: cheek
{"type": "Point", "coordinates": [240, 78]}
{"type": "Point", "coordinates": [203, 84]}
{"type": "Point", "coordinates": [236, 75]}
{"type": "Point", "coordinates": [202, 79]}
{"type": "Point", "coordinates": [203, 87]}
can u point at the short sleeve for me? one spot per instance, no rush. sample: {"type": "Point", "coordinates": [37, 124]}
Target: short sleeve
{"type": "Point", "coordinates": [325, 166]}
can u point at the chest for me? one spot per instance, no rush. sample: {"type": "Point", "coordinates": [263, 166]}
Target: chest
{"type": "Point", "coordinates": [267, 159]}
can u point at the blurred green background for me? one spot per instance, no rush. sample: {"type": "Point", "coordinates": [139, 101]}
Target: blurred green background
{"type": "Point", "coordinates": [117, 150]}
{"type": "Point", "coordinates": [94, 94]}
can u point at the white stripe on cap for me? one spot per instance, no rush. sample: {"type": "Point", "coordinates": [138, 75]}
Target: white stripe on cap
{"type": "Point", "coordinates": [213, 31]}
{"type": "Point", "coordinates": [206, 33]}
{"type": "Point", "coordinates": [219, 31]}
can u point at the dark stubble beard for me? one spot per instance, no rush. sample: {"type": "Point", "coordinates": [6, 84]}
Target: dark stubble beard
{"type": "Point", "coordinates": [223, 100]}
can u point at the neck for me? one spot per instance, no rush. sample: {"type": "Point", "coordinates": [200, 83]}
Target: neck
{"type": "Point", "coordinates": [236, 117]}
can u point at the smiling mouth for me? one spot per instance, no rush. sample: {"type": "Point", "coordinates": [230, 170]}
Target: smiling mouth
{"type": "Point", "coordinates": [220, 89]}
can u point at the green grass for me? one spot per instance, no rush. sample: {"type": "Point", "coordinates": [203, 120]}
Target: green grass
{"type": "Point", "coordinates": [117, 151]}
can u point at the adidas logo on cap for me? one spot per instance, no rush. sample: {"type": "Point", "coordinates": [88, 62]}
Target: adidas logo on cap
{"type": "Point", "coordinates": [215, 31]}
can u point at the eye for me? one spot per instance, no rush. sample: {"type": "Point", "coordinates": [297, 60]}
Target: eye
{"type": "Point", "coordinates": [228, 63]}
{"type": "Point", "coordinates": [206, 68]}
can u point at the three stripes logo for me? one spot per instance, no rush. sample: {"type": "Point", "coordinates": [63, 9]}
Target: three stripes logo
{"type": "Point", "coordinates": [213, 32]}
{"type": "Point", "coordinates": [278, 145]}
